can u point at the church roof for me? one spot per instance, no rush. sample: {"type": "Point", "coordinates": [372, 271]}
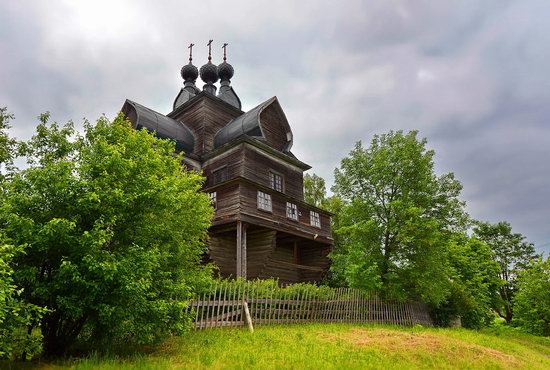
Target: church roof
{"type": "Point", "coordinates": [164, 127]}
{"type": "Point", "coordinates": [250, 124]}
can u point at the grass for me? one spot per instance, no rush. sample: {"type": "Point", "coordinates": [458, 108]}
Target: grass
{"type": "Point", "coordinates": [336, 346]}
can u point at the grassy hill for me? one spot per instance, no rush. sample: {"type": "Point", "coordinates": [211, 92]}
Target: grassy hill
{"type": "Point", "coordinates": [338, 346]}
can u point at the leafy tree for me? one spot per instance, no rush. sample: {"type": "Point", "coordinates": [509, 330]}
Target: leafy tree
{"type": "Point", "coordinates": [474, 283]}
{"type": "Point", "coordinates": [111, 225]}
{"type": "Point", "coordinates": [15, 314]}
{"type": "Point", "coordinates": [512, 253]}
{"type": "Point", "coordinates": [532, 300]}
{"type": "Point", "coordinates": [7, 144]}
{"type": "Point", "coordinates": [397, 218]}
{"type": "Point", "coordinates": [314, 189]}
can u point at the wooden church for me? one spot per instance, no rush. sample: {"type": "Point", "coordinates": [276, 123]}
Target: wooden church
{"type": "Point", "coordinates": [262, 227]}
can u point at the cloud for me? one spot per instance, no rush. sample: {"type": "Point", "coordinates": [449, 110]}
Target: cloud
{"type": "Point", "coordinates": [471, 76]}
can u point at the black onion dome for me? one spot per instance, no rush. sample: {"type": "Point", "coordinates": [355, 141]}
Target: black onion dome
{"type": "Point", "coordinates": [209, 73]}
{"type": "Point", "coordinates": [189, 72]}
{"type": "Point", "coordinates": [225, 71]}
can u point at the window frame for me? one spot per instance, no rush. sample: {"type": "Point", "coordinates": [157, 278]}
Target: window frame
{"type": "Point", "coordinates": [292, 207]}
{"type": "Point", "coordinates": [224, 175]}
{"type": "Point", "coordinates": [264, 201]}
{"type": "Point", "coordinates": [214, 199]}
{"type": "Point", "coordinates": [272, 180]}
{"type": "Point", "coordinates": [315, 219]}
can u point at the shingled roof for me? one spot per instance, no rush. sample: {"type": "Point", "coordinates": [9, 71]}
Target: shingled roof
{"type": "Point", "coordinates": [164, 127]}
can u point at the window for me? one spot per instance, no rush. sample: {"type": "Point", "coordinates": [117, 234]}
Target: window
{"type": "Point", "coordinates": [264, 201]}
{"type": "Point", "coordinates": [214, 199]}
{"type": "Point", "coordinates": [220, 175]}
{"type": "Point", "coordinates": [291, 211]}
{"type": "Point", "coordinates": [276, 181]}
{"type": "Point", "coordinates": [314, 219]}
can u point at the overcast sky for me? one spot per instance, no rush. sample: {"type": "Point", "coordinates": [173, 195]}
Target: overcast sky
{"type": "Point", "coordinates": [472, 76]}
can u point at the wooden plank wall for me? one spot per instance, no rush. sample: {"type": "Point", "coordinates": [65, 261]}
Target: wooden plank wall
{"type": "Point", "coordinates": [273, 127]}
{"type": "Point", "coordinates": [223, 250]}
{"type": "Point", "coordinates": [223, 307]}
{"type": "Point", "coordinates": [261, 244]}
{"type": "Point", "coordinates": [257, 167]}
{"type": "Point", "coordinates": [233, 162]}
{"type": "Point", "coordinates": [205, 118]}
{"type": "Point", "coordinates": [227, 199]}
{"type": "Point", "coordinates": [280, 264]}
{"type": "Point", "coordinates": [249, 205]}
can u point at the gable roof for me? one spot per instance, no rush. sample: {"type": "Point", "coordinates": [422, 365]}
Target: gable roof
{"type": "Point", "coordinates": [164, 127]}
{"type": "Point", "coordinates": [250, 124]}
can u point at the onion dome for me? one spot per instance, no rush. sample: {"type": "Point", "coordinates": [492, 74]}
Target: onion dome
{"type": "Point", "coordinates": [189, 72]}
{"type": "Point", "coordinates": [209, 73]}
{"type": "Point", "coordinates": [225, 71]}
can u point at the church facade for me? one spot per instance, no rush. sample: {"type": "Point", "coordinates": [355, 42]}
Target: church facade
{"type": "Point", "coordinates": [262, 227]}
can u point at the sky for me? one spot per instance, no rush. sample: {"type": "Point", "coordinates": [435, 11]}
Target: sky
{"type": "Point", "coordinates": [472, 76]}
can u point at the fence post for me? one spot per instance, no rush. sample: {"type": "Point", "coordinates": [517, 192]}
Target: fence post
{"type": "Point", "coordinates": [247, 316]}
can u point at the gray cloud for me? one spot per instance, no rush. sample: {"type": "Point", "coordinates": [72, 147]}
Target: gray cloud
{"type": "Point", "coordinates": [471, 76]}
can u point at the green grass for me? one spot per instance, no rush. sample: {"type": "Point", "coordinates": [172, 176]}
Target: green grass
{"type": "Point", "coordinates": [337, 346]}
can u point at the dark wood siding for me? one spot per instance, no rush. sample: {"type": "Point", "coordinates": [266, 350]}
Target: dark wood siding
{"type": "Point", "coordinates": [223, 251]}
{"type": "Point", "coordinates": [205, 118]}
{"type": "Point", "coordinates": [228, 206]}
{"type": "Point", "coordinates": [249, 205]}
{"type": "Point", "coordinates": [273, 126]}
{"type": "Point", "coordinates": [258, 165]}
{"type": "Point", "coordinates": [233, 162]}
{"type": "Point", "coordinates": [280, 264]}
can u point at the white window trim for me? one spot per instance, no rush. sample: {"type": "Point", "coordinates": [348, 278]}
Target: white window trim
{"type": "Point", "coordinates": [214, 199]}
{"type": "Point", "coordinates": [264, 201]}
{"type": "Point", "coordinates": [315, 219]}
{"type": "Point", "coordinates": [291, 211]}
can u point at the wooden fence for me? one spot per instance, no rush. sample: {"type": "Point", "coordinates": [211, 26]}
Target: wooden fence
{"type": "Point", "coordinates": [238, 304]}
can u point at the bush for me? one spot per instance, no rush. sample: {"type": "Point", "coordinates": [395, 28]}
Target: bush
{"type": "Point", "coordinates": [111, 225]}
{"type": "Point", "coordinates": [532, 299]}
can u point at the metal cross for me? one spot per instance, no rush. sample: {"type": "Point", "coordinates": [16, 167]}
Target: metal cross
{"type": "Point", "coordinates": [209, 50]}
{"type": "Point", "coordinates": [190, 47]}
{"type": "Point", "coordinates": [224, 47]}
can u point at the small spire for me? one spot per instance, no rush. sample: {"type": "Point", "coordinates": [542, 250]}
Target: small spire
{"type": "Point", "coordinates": [209, 50]}
{"type": "Point", "coordinates": [190, 47]}
{"type": "Point", "coordinates": [224, 47]}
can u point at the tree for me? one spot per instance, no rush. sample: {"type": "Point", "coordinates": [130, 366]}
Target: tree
{"type": "Point", "coordinates": [16, 315]}
{"type": "Point", "coordinates": [532, 300]}
{"type": "Point", "coordinates": [512, 253]}
{"type": "Point", "coordinates": [474, 283]}
{"type": "Point", "coordinates": [111, 226]}
{"type": "Point", "coordinates": [7, 144]}
{"type": "Point", "coordinates": [397, 218]}
{"type": "Point", "coordinates": [314, 190]}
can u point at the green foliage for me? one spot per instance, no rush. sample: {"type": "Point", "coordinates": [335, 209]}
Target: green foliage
{"type": "Point", "coordinates": [397, 218]}
{"type": "Point", "coordinates": [532, 300]}
{"type": "Point", "coordinates": [314, 190]}
{"type": "Point", "coordinates": [7, 144]}
{"type": "Point", "coordinates": [112, 228]}
{"type": "Point", "coordinates": [267, 289]}
{"type": "Point", "coordinates": [16, 316]}
{"type": "Point", "coordinates": [474, 284]}
{"type": "Point", "coordinates": [512, 253]}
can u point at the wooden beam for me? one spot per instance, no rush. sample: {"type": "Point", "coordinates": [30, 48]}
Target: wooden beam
{"type": "Point", "coordinates": [244, 255]}
{"type": "Point", "coordinates": [248, 317]}
{"type": "Point", "coordinates": [239, 249]}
